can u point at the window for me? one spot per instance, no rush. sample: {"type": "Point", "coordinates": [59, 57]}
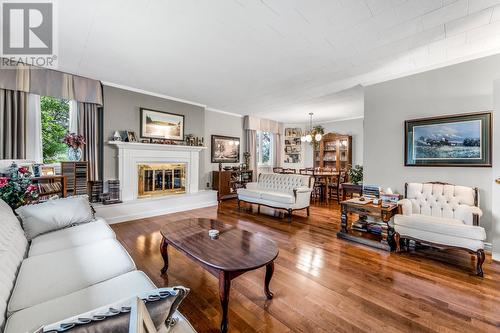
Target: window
{"type": "Point", "coordinates": [56, 120]}
{"type": "Point", "coordinates": [264, 148]}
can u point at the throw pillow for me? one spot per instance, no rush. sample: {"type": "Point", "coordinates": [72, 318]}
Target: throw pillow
{"type": "Point", "coordinates": [161, 304]}
{"type": "Point", "coordinates": [54, 214]}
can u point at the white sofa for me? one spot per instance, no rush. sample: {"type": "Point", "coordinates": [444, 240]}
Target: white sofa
{"type": "Point", "coordinates": [443, 215]}
{"type": "Point", "coordinates": [63, 274]}
{"type": "Point", "coordinates": [284, 191]}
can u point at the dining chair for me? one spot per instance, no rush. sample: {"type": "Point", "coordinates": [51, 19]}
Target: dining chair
{"type": "Point", "coordinates": [334, 188]}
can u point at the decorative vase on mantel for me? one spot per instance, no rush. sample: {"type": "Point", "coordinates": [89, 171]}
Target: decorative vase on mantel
{"type": "Point", "coordinates": [75, 154]}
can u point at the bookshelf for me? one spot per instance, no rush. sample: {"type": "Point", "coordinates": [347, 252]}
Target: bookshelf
{"type": "Point", "coordinates": [334, 151]}
{"type": "Point", "coordinates": [50, 185]}
{"type": "Point", "coordinates": [226, 182]}
{"type": "Point", "coordinates": [77, 177]}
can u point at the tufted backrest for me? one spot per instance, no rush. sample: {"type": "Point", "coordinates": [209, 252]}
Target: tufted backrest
{"type": "Point", "coordinates": [283, 182]}
{"type": "Point", "coordinates": [13, 248]}
{"type": "Point", "coordinates": [440, 200]}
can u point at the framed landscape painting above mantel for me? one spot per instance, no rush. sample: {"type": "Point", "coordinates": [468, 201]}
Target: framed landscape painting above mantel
{"type": "Point", "coordinates": [161, 125]}
{"type": "Point", "coordinates": [455, 140]}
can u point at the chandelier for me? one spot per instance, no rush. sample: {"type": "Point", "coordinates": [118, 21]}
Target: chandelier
{"type": "Point", "coordinates": [312, 133]}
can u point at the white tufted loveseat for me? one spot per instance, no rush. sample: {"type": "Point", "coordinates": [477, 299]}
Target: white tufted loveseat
{"type": "Point", "coordinates": [443, 215]}
{"type": "Point", "coordinates": [284, 191]}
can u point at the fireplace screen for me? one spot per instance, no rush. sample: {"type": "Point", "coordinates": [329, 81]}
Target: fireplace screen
{"type": "Point", "coordinates": [161, 179]}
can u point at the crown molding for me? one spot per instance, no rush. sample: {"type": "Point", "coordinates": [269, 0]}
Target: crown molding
{"type": "Point", "coordinates": [225, 112]}
{"type": "Point", "coordinates": [150, 93]}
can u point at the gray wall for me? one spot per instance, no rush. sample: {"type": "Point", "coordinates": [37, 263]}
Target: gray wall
{"type": "Point", "coordinates": [217, 123]}
{"type": "Point", "coordinates": [121, 112]}
{"type": "Point", "coordinates": [466, 87]}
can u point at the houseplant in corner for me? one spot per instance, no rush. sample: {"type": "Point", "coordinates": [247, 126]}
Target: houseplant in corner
{"type": "Point", "coordinates": [356, 174]}
{"type": "Point", "coordinates": [17, 189]}
{"type": "Point", "coordinates": [75, 143]}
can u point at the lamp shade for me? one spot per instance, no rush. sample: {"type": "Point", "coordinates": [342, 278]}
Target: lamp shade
{"type": "Point", "coordinates": [318, 137]}
{"type": "Point", "coordinates": [309, 138]}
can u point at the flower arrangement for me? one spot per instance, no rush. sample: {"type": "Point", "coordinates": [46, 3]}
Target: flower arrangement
{"type": "Point", "coordinates": [73, 140]}
{"type": "Point", "coordinates": [356, 174]}
{"type": "Point", "coordinates": [17, 189]}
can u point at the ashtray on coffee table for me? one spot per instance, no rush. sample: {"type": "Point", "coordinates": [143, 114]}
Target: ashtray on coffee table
{"type": "Point", "coordinates": [232, 253]}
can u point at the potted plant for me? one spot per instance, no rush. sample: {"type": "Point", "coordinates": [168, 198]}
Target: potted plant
{"type": "Point", "coordinates": [75, 143]}
{"type": "Point", "coordinates": [356, 174]}
{"type": "Point", "coordinates": [17, 189]}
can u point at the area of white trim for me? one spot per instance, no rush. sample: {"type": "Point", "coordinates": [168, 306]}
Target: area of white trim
{"type": "Point", "coordinates": [225, 112]}
{"type": "Point", "coordinates": [488, 247]}
{"type": "Point", "coordinates": [150, 93]}
{"type": "Point", "coordinates": [142, 208]}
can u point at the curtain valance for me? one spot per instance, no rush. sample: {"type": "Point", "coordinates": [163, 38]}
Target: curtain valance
{"type": "Point", "coordinates": [48, 82]}
{"type": "Point", "coordinates": [259, 124]}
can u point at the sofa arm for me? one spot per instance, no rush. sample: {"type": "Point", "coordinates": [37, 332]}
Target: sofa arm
{"type": "Point", "coordinates": [404, 207]}
{"type": "Point", "coordinates": [302, 189]}
{"type": "Point", "coordinates": [251, 186]}
{"type": "Point", "coordinates": [468, 214]}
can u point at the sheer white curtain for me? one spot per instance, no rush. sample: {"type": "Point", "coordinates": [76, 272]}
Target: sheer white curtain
{"type": "Point", "coordinates": [73, 116]}
{"type": "Point", "coordinates": [34, 129]}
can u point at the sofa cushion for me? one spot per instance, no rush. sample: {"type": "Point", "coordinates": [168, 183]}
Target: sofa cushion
{"type": "Point", "coordinates": [250, 193]}
{"type": "Point", "coordinates": [13, 247]}
{"type": "Point", "coordinates": [286, 198]}
{"type": "Point", "coordinates": [66, 238]}
{"type": "Point", "coordinates": [54, 215]}
{"type": "Point", "coordinates": [439, 225]}
{"type": "Point", "coordinates": [56, 274]}
{"type": "Point", "coordinates": [441, 239]}
{"type": "Point", "coordinates": [81, 301]}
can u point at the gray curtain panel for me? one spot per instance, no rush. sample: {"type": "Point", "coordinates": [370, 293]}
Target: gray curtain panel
{"type": "Point", "coordinates": [251, 147]}
{"type": "Point", "coordinates": [13, 110]}
{"type": "Point", "coordinates": [88, 120]}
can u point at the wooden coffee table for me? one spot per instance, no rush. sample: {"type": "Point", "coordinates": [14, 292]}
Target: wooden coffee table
{"type": "Point", "coordinates": [235, 252]}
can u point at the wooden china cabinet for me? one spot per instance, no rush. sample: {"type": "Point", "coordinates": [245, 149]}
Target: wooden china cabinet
{"type": "Point", "coordinates": [334, 151]}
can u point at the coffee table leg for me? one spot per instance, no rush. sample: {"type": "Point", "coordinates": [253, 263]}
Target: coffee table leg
{"type": "Point", "coordinates": [164, 254]}
{"type": "Point", "coordinates": [269, 275]}
{"type": "Point", "coordinates": [224, 288]}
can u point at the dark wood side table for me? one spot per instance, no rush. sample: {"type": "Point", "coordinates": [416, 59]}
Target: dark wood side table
{"type": "Point", "coordinates": [350, 188]}
{"type": "Point", "coordinates": [233, 253]}
{"type": "Point", "coordinates": [368, 236]}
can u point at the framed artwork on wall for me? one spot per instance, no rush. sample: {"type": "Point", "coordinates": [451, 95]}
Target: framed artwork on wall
{"type": "Point", "coordinates": [161, 125]}
{"type": "Point", "coordinates": [455, 140]}
{"type": "Point", "coordinates": [225, 149]}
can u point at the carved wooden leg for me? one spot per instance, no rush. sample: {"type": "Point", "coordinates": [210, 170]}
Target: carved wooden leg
{"type": "Point", "coordinates": [307, 210]}
{"type": "Point", "coordinates": [164, 254]}
{"type": "Point", "coordinates": [480, 261]}
{"type": "Point", "coordinates": [269, 275]}
{"type": "Point", "coordinates": [397, 239]}
{"type": "Point", "coordinates": [289, 215]}
{"type": "Point", "coordinates": [224, 289]}
{"type": "Point", "coordinates": [258, 209]}
{"type": "Point", "coordinates": [343, 219]}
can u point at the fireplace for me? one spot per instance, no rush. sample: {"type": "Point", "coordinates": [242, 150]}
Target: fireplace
{"type": "Point", "coordinates": [157, 179]}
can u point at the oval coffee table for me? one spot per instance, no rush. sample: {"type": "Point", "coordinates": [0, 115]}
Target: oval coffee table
{"type": "Point", "coordinates": [233, 253]}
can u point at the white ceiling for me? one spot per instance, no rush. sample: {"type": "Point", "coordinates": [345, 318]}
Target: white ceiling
{"type": "Point", "coordinates": [278, 59]}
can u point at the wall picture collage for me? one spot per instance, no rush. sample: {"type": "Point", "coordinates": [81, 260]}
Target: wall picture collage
{"type": "Point", "coordinates": [292, 145]}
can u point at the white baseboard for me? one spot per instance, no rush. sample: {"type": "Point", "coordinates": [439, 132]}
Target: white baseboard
{"type": "Point", "coordinates": [142, 208]}
{"type": "Point", "coordinates": [488, 247]}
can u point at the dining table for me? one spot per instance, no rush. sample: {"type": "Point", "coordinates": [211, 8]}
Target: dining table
{"type": "Point", "coordinates": [328, 177]}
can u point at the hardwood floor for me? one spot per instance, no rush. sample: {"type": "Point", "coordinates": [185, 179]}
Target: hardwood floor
{"type": "Point", "coordinates": [324, 284]}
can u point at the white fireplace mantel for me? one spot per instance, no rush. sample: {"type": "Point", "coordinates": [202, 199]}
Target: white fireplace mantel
{"type": "Point", "coordinates": [130, 154]}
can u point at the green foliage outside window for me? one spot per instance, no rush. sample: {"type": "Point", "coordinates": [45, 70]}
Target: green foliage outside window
{"type": "Point", "coordinates": [55, 124]}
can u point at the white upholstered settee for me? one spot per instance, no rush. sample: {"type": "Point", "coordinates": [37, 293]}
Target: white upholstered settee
{"type": "Point", "coordinates": [64, 273]}
{"type": "Point", "coordinates": [441, 215]}
{"type": "Point", "coordinates": [284, 191]}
